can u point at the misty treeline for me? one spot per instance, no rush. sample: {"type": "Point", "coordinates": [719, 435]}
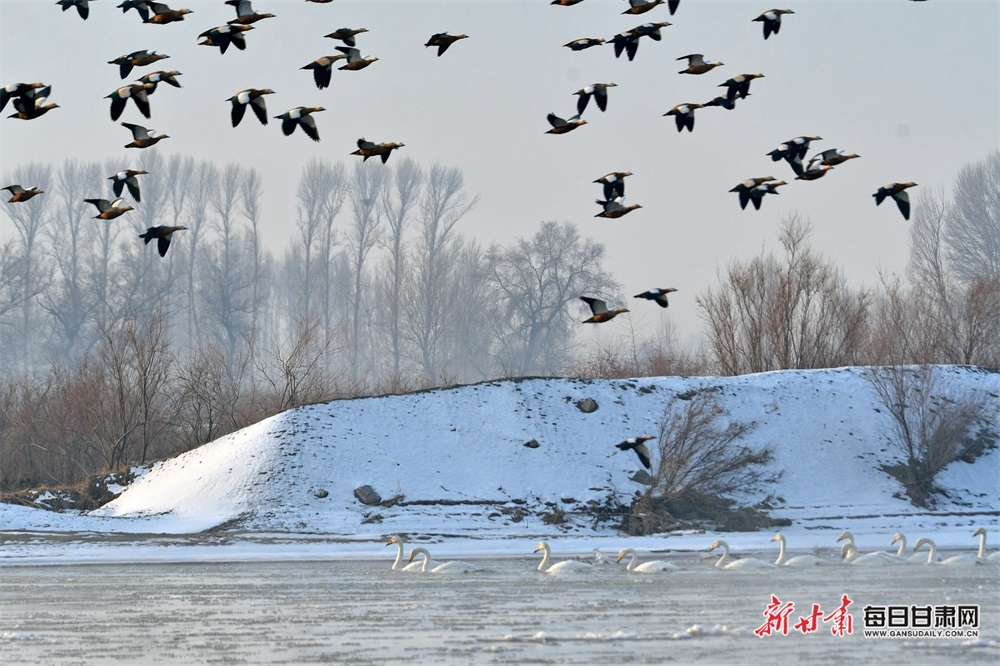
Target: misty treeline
{"type": "Point", "coordinates": [111, 355]}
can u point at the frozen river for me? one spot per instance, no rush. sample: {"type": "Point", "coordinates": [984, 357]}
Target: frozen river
{"type": "Point", "coordinates": [358, 612]}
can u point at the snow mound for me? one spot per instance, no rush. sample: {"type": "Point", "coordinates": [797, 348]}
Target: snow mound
{"type": "Point", "coordinates": [455, 460]}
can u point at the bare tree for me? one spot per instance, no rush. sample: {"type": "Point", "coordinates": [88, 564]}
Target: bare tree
{"type": "Point", "coordinates": [768, 315]}
{"type": "Point", "coordinates": [320, 195]}
{"type": "Point", "coordinates": [30, 218]}
{"type": "Point", "coordinates": [227, 283]}
{"type": "Point", "coordinates": [251, 192]}
{"type": "Point", "coordinates": [67, 299]}
{"type": "Point", "coordinates": [368, 184]}
{"type": "Point", "coordinates": [953, 306]}
{"type": "Point", "coordinates": [443, 204]}
{"type": "Point", "coordinates": [534, 280]}
{"type": "Point", "coordinates": [699, 459]}
{"type": "Point", "coordinates": [136, 408]}
{"type": "Point", "coordinates": [926, 422]}
{"type": "Point", "coordinates": [397, 203]}
{"type": "Point", "coordinates": [973, 230]}
{"type": "Point", "coordinates": [201, 191]}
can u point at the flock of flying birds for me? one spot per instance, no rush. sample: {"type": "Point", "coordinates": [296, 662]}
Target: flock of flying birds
{"type": "Point", "coordinates": [30, 102]}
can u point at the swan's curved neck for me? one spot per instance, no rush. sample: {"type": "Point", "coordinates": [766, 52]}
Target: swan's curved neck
{"type": "Point", "coordinates": [932, 555]}
{"type": "Point", "coordinates": [781, 551]}
{"type": "Point", "coordinates": [725, 555]}
{"type": "Point", "coordinates": [399, 555]}
{"type": "Point", "coordinates": [545, 558]}
{"type": "Point", "coordinates": [902, 545]}
{"type": "Point", "coordinates": [426, 554]}
{"type": "Point", "coordinates": [633, 560]}
{"type": "Point", "coordinates": [982, 546]}
{"type": "Point", "coordinates": [850, 552]}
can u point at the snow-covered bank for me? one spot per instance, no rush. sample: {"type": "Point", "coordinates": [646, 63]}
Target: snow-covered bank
{"type": "Point", "coordinates": [458, 460]}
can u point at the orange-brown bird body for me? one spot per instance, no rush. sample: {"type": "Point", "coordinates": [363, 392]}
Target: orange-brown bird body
{"type": "Point", "coordinates": [600, 311]}
{"type": "Point", "coordinates": [20, 194]}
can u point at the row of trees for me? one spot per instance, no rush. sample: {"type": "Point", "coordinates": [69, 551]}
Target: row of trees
{"type": "Point", "coordinates": [110, 354]}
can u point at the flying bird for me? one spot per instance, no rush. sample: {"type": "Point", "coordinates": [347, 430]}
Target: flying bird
{"type": "Point", "coordinates": [32, 105]}
{"type": "Point", "coordinates": [354, 59]}
{"type": "Point", "coordinates": [599, 91]}
{"type": "Point", "coordinates": [772, 20]}
{"type": "Point", "coordinates": [19, 194]}
{"type": "Point", "coordinates": [254, 97]}
{"type": "Point", "coordinates": [140, 6]}
{"type": "Point", "coordinates": [137, 92]}
{"type": "Point", "coordinates": [141, 137]}
{"type": "Point", "coordinates": [82, 7]}
{"type": "Point", "coordinates": [614, 183]}
{"type": "Point", "coordinates": [32, 90]}
{"type": "Point", "coordinates": [625, 42]}
{"type": "Point", "coordinates": [347, 35]}
{"type": "Point", "coordinates": [747, 186]}
{"type": "Point", "coordinates": [224, 35]}
{"type": "Point", "coordinates": [739, 85]}
{"type": "Point", "coordinates": [563, 125]}
{"type": "Point", "coordinates": [108, 210]}
{"type": "Point", "coordinates": [638, 444]}
{"type": "Point", "coordinates": [370, 149]}
{"type": "Point", "coordinates": [162, 14]}
{"type": "Point", "coordinates": [794, 151]}
{"type": "Point", "coordinates": [725, 102]}
{"type": "Point", "coordinates": [658, 295]}
{"type": "Point", "coordinates": [245, 15]}
{"type": "Point", "coordinates": [322, 69]}
{"type": "Point", "coordinates": [651, 30]}
{"type": "Point", "coordinates": [615, 208]}
{"type": "Point", "coordinates": [162, 235]}
{"type": "Point", "coordinates": [898, 192]}
{"type": "Point", "coordinates": [127, 178]}
{"type": "Point", "coordinates": [684, 115]}
{"type": "Point", "coordinates": [757, 193]}
{"type": "Point", "coordinates": [815, 170]}
{"type": "Point", "coordinates": [136, 59]}
{"type": "Point", "coordinates": [300, 116]}
{"type": "Point", "coordinates": [831, 157]}
{"type": "Point", "coordinates": [600, 311]}
{"type": "Point", "coordinates": [443, 40]}
{"type": "Point", "coordinates": [584, 43]}
{"type": "Point", "coordinates": [697, 64]}
{"type": "Point", "coordinates": [155, 78]}
{"type": "Point", "coordinates": [642, 6]}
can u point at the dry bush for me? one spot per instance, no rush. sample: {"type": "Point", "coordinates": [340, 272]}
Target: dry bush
{"type": "Point", "coordinates": [698, 462]}
{"type": "Point", "coordinates": [927, 423]}
{"type": "Point", "coordinates": [769, 314]}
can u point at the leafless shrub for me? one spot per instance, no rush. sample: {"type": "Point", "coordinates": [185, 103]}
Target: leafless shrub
{"type": "Point", "coordinates": [698, 461]}
{"type": "Point", "coordinates": [927, 423]}
{"type": "Point", "coordinates": [770, 314]}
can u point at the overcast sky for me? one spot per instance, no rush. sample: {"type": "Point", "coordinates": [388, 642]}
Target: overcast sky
{"type": "Point", "coordinates": [913, 87]}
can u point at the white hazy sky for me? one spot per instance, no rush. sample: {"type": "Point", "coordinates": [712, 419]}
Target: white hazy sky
{"type": "Point", "coordinates": [913, 87]}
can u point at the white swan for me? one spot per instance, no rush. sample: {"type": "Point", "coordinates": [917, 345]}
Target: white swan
{"type": "Point", "coordinates": [566, 566]}
{"type": "Point", "coordinates": [798, 560]}
{"type": "Point", "coordinates": [450, 567]}
{"type": "Point", "coordinates": [653, 566]}
{"type": "Point", "coordinates": [743, 563]}
{"type": "Point", "coordinates": [878, 556]}
{"type": "Point", "coordinates": [397, 565]}
{"type": "Point", "coordinates": [849, 553]}
{"type": "Point", "coordinates": [901, 552]}
{"type": "Point", "coordinates": [981, 555]}
{"type": "Point", "coordinates": [932, 558]}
